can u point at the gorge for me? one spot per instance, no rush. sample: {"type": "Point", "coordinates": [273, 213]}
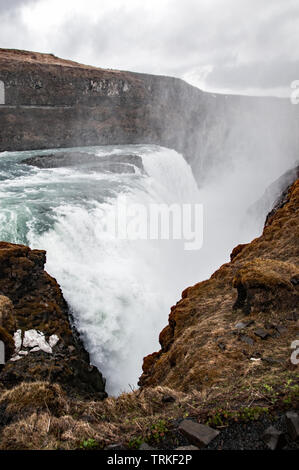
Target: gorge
{"type": "Point", "coordinates": [51, 103]}
{"type": "Point", "coordinates": [76, 141]}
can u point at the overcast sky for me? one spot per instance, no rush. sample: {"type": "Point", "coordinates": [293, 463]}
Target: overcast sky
{"type": "Point", "coordinates": [247, 46]}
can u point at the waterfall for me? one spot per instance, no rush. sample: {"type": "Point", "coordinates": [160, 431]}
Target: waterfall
{"type": "Point", "coordinates": [120, 290]}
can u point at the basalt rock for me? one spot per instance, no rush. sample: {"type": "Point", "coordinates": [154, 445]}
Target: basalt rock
{"type": "Point", "coordinates": [110, 163]}
{"type": "Point", "coordinates": [274, 438]}
{"type": "Point", "coordinates": [260, 333]}
{"type": "Point", "coordinates": [197, 434]}
{"type": "Point", "coordinates": [41, 344]}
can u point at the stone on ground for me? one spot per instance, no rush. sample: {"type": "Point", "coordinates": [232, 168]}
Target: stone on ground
{"type": "Point", "coordinates": [145, 446]}
{"type": "Point", "coordinates": [274, 438]}
{"type": "Point", "coordinates": [198, 434]}
{"type": "Point", "coordinates": [187, 448]}
{"type": "Point", "coordinates": [293, 424]}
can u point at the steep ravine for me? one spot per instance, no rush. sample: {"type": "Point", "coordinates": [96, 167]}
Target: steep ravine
{"type": "Point", "coordinates": [225, 357]}
{"type": "Point", "coordinates": [225, 354]}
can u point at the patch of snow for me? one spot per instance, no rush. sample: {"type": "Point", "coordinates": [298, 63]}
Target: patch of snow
{"type": "Point", "coordinates": [34, 338]}
{"type": "Point", "coordinates": [53, 340]}
{"type": "Point", "coordinates": [16, 357]}
{"type": "Point", "coordinates": [23, 353]}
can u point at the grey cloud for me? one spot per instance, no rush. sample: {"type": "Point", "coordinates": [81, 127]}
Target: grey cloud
{"type": "Point", "coordinates": [10, 5]}
{"type": "Point", "coordinates": [272, 74]}
{"type": "Point", "coordinates": [245, 43]}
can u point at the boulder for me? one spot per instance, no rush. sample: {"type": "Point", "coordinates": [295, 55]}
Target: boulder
{"type": "Point", "coordinates": [292, 419]}
{"type": "Point", "coordinates": [145, 446]}
{"type": "Point", "coordinates": [265, 283]}
{"type": "Point", "coordinates": [241, 324]}
{"type": "Point", "coordinates": [273, 438]}
{"type": "Point", "coordinates": [261, 333]}
{"type": "Point", "coordinates": [186, 448]}
{"type": "Point", "coordinates": [198, 434]}
{"type": "Point", "coordinates": [246, 339]}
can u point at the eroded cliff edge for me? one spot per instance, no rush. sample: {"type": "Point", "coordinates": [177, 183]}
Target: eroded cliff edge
{"type": "Point", "coordinates": [51, 103]}
{"type": "Point", "coordinates": [237, 327]}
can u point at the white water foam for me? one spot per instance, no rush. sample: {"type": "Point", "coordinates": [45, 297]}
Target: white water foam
{"type": "Point", "coordinates": [120, 291]}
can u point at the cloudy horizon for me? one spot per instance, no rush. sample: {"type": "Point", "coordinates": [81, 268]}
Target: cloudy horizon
{"type": "Point", "coordinates": [226, 46]}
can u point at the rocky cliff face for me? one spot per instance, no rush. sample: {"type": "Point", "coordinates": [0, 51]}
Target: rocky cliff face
{"type": "Point", "coordinates": [40, 343]}
{"type": "Point", "coordinates": [238, 326]}
{"type": "Point", "coordinates": [50, 102]}
{"type": "Point", "coordinates": [225, 354]}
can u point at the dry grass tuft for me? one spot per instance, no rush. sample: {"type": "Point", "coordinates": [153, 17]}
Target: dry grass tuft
{"type": "Point", "coordinates": [27, 397]}
{"type": "Point", "coordinates": [43, 420]}
{"type": "Point", "coordinates": [29, 433]}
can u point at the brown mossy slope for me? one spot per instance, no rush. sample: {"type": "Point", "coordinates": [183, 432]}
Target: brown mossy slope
{"type": "Point", "coordinates": [202, 348]}
{"type": "Point", "coordinates": [38, 58]}
{"type": "Point", "coordinates": [36, 296]}
{"type": "Point", "coordinates": [204, 369]}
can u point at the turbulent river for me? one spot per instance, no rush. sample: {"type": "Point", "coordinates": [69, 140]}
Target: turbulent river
{"type": "Point", "coordinates": [120, 291]}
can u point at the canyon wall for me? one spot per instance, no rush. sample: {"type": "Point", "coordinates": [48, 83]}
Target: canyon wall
{"type": "Point", "coordinates": [50, 103]}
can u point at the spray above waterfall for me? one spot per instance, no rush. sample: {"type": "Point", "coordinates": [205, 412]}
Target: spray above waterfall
{"type": "Point", "coordinates": [120, 289]}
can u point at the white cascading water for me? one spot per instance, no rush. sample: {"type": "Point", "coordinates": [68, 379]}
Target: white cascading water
{"type": "Point", "coordinates": [121, 291]}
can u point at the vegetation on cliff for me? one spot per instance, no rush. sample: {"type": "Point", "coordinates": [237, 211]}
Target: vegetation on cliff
{"type": "Point", "coordinates": [32, 309]}
{"type": "Point", "coordinates": [205, 344]}
{"type": "Point", "coordinates": [224, 358]}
